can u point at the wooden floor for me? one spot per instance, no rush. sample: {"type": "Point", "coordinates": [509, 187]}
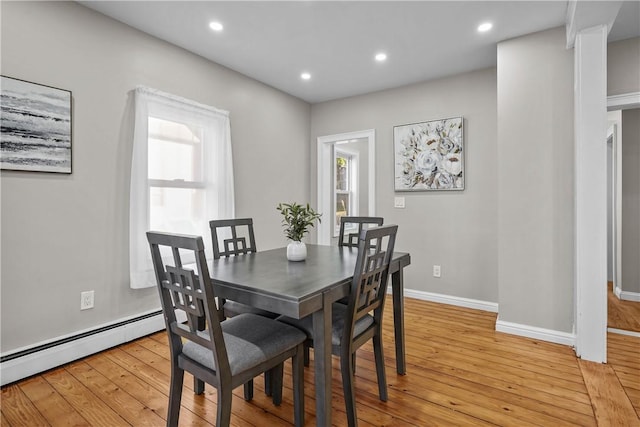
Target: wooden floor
{"type": "Point", "coordinates": [624, 315]}
{"type": "Point", "coordinates": [460, 372]}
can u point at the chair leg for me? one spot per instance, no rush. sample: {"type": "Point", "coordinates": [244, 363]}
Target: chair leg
{"type": "Point", "coordinates": [306, 355]}
{"type": "Point", "coordinates": [198, 386]}
{"type": "Point", "coordinates": [248, 390]}
{"type": "Point", "coordinates": [223, 416]}
{"type": "Point", "coordinates": [298, 386]}
{"type": "Point", "coordinates": [382, 376]}
{"type": "Point", "coordinates": [346, 370]}
{"type": "Point", "coordinates": [268, 388]}
{"type": "Point", "coordinates": [276, 384]}
{"type": "Point", "coordinates": [175, 395]}
{"type": "Point", "coordinates": [221, 316]}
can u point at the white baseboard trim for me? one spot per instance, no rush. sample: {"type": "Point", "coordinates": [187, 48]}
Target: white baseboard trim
{"type": "Point", "coordinates": [629, 296]}
{"type": "Point", "coordinates": [501, 326]}
{"type": "Point", "coordinates": [617, 291]}
{"type": "Point", "coordinates": [534, 332]}
{"type": "Point", "coordinates": [55, 355]}
{"type": "Point", "coordinates": [624, 332]}
{"type": "Point", "coordinates": [452, 300]}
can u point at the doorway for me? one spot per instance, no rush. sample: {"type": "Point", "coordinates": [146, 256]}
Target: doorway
{"type": "Point", "coordinates": [623, 162]}
{"type": "Point", "coordinates": [354, 192]}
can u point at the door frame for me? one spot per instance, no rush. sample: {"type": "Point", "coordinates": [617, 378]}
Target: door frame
{"type": "Point", "coordinates": [621, 102]}
{"type": "Point", "coordinates": [325, 167]}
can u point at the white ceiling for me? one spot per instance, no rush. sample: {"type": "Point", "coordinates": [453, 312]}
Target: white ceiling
{"type": "Point", "coordinates": [335, 41]}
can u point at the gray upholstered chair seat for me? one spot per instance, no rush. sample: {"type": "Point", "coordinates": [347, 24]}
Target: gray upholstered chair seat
{"type": "Point", "coordinates": [233, 308]}
{"type": "Point", "coordinates": [339, 313]}
{"type": "Point", "coordinates": [250, 340]}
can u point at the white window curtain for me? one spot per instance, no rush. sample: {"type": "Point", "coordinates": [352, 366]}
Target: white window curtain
{"type": "Point", "coordinates": [154, 180]}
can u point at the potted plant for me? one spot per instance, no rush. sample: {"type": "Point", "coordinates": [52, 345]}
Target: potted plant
{"type": "Point", "coordinates": [297, 219]}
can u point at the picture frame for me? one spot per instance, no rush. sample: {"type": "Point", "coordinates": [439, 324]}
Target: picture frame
{"type": "Point", "coordinates": [36, 127]}
{"type": "Point", "coordinates": [429, 156]}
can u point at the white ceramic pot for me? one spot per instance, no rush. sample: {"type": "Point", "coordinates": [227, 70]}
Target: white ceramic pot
{"type": "Point", "coordinates": [296, 251]}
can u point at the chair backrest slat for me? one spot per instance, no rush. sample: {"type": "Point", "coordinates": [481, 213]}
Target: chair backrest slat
{"type": "Point", "coordinates": [347, 223]}
{"type": "Point", "coordinates": [239, 230]}
{"type": "Point", "coordinates": [185, 293]}
{"type": "Point", "coordinates": [187, 333]}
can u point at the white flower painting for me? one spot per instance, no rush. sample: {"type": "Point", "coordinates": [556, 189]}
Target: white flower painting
{"type": "Point", "coordinates": [429, 155]}
{"type": "Point", "coordinates": [36, 127]}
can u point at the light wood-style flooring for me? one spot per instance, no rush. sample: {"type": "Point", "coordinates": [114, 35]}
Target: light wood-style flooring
{"type": "Point", "coordinates": [624, 315]}
{"type": "Point", "coordinates": [461, 372]}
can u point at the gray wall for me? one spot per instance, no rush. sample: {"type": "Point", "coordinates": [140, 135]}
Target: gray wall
{"type": "Point", "coordinates": [63, 234]}
{"type": "Point", "coordinates": [631, 200]}
{"type": "Point", "coordinates": [623, 66]}
{"type": "Point", "coordinates": [535, 181]}
{"type": "Point", "coordinates": [454, 229]}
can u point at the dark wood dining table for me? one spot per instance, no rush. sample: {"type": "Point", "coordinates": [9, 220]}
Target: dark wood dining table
{"type": "Point", "coordinates": [308, 288]}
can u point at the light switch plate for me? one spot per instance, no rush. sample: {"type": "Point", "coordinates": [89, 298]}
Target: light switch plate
{"type": "Point", "coordinates": [398, 202]}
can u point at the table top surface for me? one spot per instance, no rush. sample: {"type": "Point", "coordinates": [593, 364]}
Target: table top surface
{"type": "Point", "coordinates": [271, 274]}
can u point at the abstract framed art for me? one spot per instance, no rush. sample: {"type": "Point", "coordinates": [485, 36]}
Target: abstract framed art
{"type": "Point", "coordinates": [36, 127]}
{"type": "Point", "coordinates": [429, 155]}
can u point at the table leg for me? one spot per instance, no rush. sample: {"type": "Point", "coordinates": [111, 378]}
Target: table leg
{"type": "Point", "coordinates": [397, 289]}
{"type": "Point", "coordinates": [322, 363]}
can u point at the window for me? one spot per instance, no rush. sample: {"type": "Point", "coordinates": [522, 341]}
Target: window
{"type": "Point", "coordinates": [176, 181]}
{"type": "Point", "coordinates": [181, 173]}
{"type": "Point", "coordinates": [345, 190]}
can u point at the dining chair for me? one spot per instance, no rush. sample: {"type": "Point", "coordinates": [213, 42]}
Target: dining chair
{"type": "Point", "coordinates": [360, 320]}
{"type": "Point", "coordinates": [232, 237]}
{"type": "Point", "coordinates": [348, 223]}
{"type": "Point", "coordinates": [350, 239]}
{"type": "Point", "coordinates": [224, 354]}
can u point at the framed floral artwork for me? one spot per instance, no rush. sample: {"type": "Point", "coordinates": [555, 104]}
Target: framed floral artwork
{"type": "Point", "coordinates": [429, 155]}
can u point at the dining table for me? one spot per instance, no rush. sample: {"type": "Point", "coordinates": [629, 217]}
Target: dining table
{"type": "Point", "coordinates": [267, 280]}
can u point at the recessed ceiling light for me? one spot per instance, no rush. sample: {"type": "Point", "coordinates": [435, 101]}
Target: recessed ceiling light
{"type": "Point", "coordinates": [305, 76]}
{"type": "Point", "coordinates": [381, 57]}
{"type": "Point", "coordinates": [216, 26]}
{"type": "Point", "coordinates": [483, 28]}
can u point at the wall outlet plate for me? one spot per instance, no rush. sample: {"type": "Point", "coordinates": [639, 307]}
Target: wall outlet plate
{"type": "Point", "coordinates": [398, 202]}
{"type": "Point", "coordinates": [436, 271]}
{"type": "Point", "coordinates": [86, 300]}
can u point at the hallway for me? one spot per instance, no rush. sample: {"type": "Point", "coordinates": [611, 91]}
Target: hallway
{"type": "Point", "coordinates": [624, 315]}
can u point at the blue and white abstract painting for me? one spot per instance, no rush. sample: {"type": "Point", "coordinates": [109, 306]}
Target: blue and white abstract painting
{"type": "Point", "coordinates": [35, 132]}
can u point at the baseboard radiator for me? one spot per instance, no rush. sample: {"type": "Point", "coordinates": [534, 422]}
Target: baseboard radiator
{"type": "Point", "coordinates": [25, 362]}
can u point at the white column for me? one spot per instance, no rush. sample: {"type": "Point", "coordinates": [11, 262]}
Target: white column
{"type": "Point", "coordinates": [591, 201]}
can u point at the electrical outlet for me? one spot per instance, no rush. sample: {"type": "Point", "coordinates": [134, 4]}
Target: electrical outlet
{"type": "Point", "coordinates": [436, 271]}
{"type": "Point", "coordinates": [398, 202]}
{"type": "Point", "coordinates": [86, 300]}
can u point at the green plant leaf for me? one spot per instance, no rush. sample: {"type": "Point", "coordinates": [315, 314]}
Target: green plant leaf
{"type": "Point", "coordinates": [297, 219]}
